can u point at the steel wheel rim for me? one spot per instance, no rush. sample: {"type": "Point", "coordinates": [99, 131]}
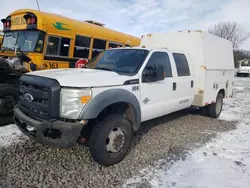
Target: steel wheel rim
{"type": "Point", "coordinates": [115, 140]}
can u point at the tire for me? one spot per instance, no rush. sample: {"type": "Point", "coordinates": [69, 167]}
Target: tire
{"type": "Point", "coordinates": [99, 141]}
{"type": "Point", "coordinates": [8, 99]}
{"type": "Point", "coordinates": [214, 110]}
{"type": "Point", "coordinates": [204, 111]}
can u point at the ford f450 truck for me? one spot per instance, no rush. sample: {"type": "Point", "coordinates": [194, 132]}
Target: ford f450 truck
{"type": "Point", "coordinates": [106, 100]}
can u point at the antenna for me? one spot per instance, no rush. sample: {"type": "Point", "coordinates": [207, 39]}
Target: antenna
{"type": "Point", "coordinates": [37, 5]}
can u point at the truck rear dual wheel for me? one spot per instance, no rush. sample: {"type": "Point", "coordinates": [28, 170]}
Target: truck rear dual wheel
{"type": "Point", "coordinates": [8, 99]}
{"type": "Point", "coordinates": [214, 110]}
{"type": "Point", "coordinates": [110, 140]}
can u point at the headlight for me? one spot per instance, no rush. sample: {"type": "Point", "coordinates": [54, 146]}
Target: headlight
{"type": "Point", "coordinates": [72, 101]}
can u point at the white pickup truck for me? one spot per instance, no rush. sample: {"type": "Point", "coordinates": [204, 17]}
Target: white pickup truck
{"type": "Point", "coordinates": [243, 67]}
{"type": "Point", "coordinates": [106, 101]}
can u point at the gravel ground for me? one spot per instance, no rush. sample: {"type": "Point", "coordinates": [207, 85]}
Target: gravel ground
{"type": "Point", "coordinates": [29, 164]}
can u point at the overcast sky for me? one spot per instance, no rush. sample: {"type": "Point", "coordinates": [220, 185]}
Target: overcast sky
{"type": "Point", "coordinates": [138, 17]}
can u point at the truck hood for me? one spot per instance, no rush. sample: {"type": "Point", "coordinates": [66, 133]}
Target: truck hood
{"type": "Point", "coordinates": [76, 77]}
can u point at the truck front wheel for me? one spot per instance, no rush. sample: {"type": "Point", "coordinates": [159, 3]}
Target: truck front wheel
{"type": "Point", "coordinates": [110, 140]}
{"type": "Point", "coordinates": [214, 110]}
{"type": "Point", "coordinates": [8, 99]}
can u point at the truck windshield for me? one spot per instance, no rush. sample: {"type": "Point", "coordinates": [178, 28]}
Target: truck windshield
{"type": "Point", "coordinates": [26, 41]}
{"type": "Point", "coordinates": [127, 61]}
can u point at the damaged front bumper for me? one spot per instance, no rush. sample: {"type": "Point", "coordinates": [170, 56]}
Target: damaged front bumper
{"type": "Point", "coordinates": [53, 132]}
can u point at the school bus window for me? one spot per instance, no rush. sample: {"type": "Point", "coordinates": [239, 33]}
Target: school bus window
{"type": "Point", "coordinates": [127, 45]}
{"type": "Point", "coordinates": [39, 44]}
{"type": "Point", "coordinates": [53, 46]}
{"type": "Point", "coordinates": [98, 46]}
{"type": "Point", "coordinates": [9, 41]}
{"type": "Point", "coordinates": [114, 44]}
{"type": "Point", "coordinates": [82, 46]}
{"type": "Point", "coordinates": [24, 40]}
{"type": "Point", "coordinates": [64, 50]}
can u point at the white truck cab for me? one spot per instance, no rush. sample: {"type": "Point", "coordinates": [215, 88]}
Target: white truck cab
{"type": "Point", "coordinates": [243, 67]}
{"type": "Point", "coordinates": [105, 101]}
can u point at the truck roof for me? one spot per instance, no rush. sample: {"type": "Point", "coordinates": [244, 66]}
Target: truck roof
{"type": "Point", "coordinates": [204, 48]}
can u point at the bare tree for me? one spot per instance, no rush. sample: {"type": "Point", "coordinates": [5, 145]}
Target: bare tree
{"type": "Point", "coordinates": [231, 31]}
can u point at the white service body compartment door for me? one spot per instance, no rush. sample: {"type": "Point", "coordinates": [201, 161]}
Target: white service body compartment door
{"type": "Point", "coordinates": [217, 80]}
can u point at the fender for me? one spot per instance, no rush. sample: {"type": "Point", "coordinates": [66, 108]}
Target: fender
{"type": "Point", "coordinates": [111, 96]}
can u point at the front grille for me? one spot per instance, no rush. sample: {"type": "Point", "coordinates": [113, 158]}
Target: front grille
{"type": "Point", "coordinates": [40, 103]}
{"type": "Point", "coordinates": [45, 93]}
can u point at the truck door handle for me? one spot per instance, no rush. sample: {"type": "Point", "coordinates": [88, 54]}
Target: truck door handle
{"type": "Point", "coordinates": [174, 86]}
{"type": "Point", "coordinates": [192, 83]}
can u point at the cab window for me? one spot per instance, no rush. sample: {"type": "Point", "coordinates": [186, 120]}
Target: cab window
{"type": "Point", "coordinates": [162, 58]}
{"type": "Point", "coordinates": [58, 46]}
{"type": "Point", "coordinates": [181, 64]}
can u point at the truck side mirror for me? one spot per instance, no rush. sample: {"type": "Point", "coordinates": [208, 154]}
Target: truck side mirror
{"type": "Point", "coordinates": [160, 72]}
{"type": "Point", "coordinates": [153, 73]}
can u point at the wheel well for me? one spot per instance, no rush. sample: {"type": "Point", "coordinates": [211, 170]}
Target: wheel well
{"type": "Point", "coordinates": [121, 108]}
{"type": "Point", "coordinates": [222, 91]}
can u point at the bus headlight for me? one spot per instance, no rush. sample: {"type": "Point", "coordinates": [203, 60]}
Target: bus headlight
{"type": "Point", "coordinates": [72, 101]}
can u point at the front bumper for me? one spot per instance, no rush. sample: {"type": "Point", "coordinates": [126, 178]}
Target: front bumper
{"type": "Point", "coordinates": [54, 132]}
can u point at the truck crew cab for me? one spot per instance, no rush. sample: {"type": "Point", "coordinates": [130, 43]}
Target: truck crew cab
{"type": "Point", "coordinates": [106, 100]}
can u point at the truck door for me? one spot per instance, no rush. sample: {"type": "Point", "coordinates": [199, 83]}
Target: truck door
{"type": "Point", "coordinates": [184, 82]}
{"type": "Point", "coordinates": [157, 97]}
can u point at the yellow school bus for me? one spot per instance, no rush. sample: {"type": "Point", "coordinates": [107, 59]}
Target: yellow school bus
{"type": "Point", "coordinates": [35, 40]}
{"type": "Point", "coordinates": [1, 38]}
{"type": "Point", "coordinates": [53, 41]}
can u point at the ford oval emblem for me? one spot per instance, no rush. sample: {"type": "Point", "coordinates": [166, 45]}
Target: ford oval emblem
{"type": "Point", "coordinates": [28, 97]}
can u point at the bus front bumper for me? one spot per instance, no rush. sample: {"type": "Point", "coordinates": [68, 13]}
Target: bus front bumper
{"type": "Point", "coordinates": [54, 132]}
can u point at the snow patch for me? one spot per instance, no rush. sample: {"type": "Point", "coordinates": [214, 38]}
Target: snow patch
{"type": "Point", "coordinates": [8, 134]}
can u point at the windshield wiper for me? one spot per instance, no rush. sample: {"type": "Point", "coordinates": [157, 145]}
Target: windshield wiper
{"type": "Point", "coordinates": [22, 56]}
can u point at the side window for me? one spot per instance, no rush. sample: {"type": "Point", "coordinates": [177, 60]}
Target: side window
{"type": "Point", "coordinates": [40, 42]}
{"type": "Point", "coordinates": [114, 45]}
{"type": "Point", "coordinates": [98, 46]}
{"type": "Point", "coordinates": [53, 46]}
{"type": "Point", "coordinates": [58, 46]}
{"type": "Point", "coordinates": [161, 58]}
{"type": "Point", "coordinates": [82, 46]}
{"type": "Point", "coordinates": [181, 64]}
{"type": "Point", "coordinates": [64, 49]}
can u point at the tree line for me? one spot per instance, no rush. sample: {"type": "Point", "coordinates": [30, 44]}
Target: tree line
{"type": "Point", "coordinates": [236, 34]}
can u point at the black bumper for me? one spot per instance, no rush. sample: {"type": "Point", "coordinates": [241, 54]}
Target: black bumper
{"type": "Point", "coordinates": [66, 133]}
